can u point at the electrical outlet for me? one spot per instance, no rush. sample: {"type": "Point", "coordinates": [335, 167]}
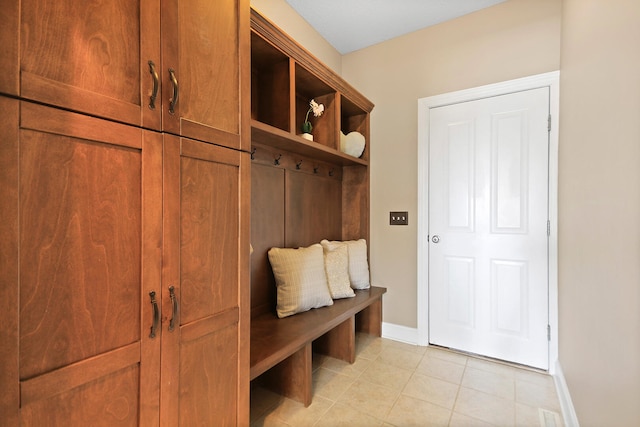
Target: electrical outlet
{"type": "Point", "coordinates": [398, 218]}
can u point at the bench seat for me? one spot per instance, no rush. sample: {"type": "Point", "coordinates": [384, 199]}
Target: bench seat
{"type": "Point", "coordinates": [281, 349]}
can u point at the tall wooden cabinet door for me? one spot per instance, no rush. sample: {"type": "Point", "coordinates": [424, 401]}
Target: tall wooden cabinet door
{"type": "Point", "coordinates": [205, 272]}
{"type": "Point", "coordinates": [93, 57]}
{"type": "Point", "coordinates": [81, 243]}
{"type": "Point", "coordinates": [206, 66]}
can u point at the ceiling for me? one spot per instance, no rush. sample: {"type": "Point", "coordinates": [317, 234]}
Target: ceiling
{"type": "Point", "coordinates": [350, 25]}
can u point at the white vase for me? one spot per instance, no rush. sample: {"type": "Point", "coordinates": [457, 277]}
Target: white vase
{"type": "Point", "coordinates": [307, 136]}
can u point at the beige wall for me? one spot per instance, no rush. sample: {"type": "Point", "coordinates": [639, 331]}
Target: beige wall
{"type": "Point", "coordinates": [283, 15]}
{"type": "Point", "coordinates": [599, 230]}
{"type": "Point", "coordinates": [514, 39]}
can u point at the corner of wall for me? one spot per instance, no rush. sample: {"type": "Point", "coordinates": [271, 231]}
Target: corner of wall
{"type": "Point", "coordinates": [569, 415]}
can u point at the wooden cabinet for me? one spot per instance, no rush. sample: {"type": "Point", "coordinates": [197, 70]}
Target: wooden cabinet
{"type": "Point", "coordinates": [81, 227]}
{"type": "Point", "coordinates": [124, 271]}
{"type": "Point", "coordinates": [86, 56]}
{"type": "Point", "coordinates": [124, 227]}
{"type": "Point", "coordinates": [172, 65]}
{"type": "Point", "coordinates": [204, 360]}
{"type": "Point", "coordinates": [205, 47]}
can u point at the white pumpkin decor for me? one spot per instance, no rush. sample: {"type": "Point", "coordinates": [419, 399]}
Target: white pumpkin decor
{"type": "Point", "coordinates": [352, 143]}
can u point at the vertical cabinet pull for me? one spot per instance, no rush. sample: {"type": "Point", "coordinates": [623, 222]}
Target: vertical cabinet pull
{"type": "Point", "coordinates": [174, 99]}
{"type": "Point", "coordinates": [174, 303]}
{"type": "Point", "coordinates": [156, 314]}
{"type": "Point", "coordinates": [156, 83]}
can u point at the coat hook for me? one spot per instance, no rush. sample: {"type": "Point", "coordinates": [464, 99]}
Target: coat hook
{"type": "Point", "coordinates": [315, 169]}
{"type": "Point", "coordinates": [276, 161]}
{"type": "Point", "coordinates": [253, 152]}
{"type": "Point", "coordinates": [298, 164]}
{"type": "Point", "coordinates": [331, 172]}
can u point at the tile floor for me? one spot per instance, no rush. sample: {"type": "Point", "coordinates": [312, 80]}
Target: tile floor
{"type": "Point", "coordinates": [401, 385]}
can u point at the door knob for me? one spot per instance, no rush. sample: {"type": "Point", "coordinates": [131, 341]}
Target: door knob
{"type": "Point", "coordinates": [435, 239]}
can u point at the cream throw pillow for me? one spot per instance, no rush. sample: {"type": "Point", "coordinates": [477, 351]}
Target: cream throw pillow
{"type": "Point", "coordinates": [358, 264]}
{"type": "Point", "coordinates": [336, 263]}
{"type": "Point", "coordinates": [301, 281]}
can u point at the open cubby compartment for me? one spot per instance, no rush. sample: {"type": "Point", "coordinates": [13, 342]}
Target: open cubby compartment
{"type": "Point", "coordinates": [270, 84]}
{"type": "Point", "coordinates": [354, 119]}
{"type": "Point", "coordinates": [308, 87]}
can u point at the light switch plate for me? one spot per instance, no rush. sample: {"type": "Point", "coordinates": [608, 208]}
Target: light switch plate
{"type": "Point", "coordinates": [398, 218]}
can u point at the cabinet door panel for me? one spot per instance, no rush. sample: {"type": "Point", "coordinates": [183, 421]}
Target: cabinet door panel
{"type": "Point", "coordinates": [201, 356]}
{"type": "Point", "coordinates": [210, 363]}
{"type": "Point", "coordinates": [201, 43]}
{"type": "Point", "coordinates": [87, 210]}
{"type": "Point", "coordinates": [91, 57]}
{"type": "Point", "coordinates": [109, 401]}
{"type": "Point", "coordinates": [80, 250]}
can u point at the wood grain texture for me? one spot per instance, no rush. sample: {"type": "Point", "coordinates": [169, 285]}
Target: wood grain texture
{"type": "Point", "coordinates": [200, 358]}
{"type": "Point", "coordinates": [313, 209]}
{"type": "Point", "coordinates": [85, 57]}
{"type": "Point", "coordinates": [292, 377]}
{"type": "Point", "coordinates": [208, 238]}
{"type": "Point", "coordinates": [105, 402]}
{"type": "Point", "coordinates": [201, 41]}
{"type": "Point", "coordinates": [9, 260]}
{"type": "Point", "coordinates": [274, 339]}
{"type": "Point", "coordinates": [80, 244]}
{"type": "Point", "coordinates": [339, 342]}
{"type": "Point", "coordinates": [9, 48]}
{"type": "Point", "coordinates": [151, 276]}
{"type": "Point", "coordinates": [267, 231]}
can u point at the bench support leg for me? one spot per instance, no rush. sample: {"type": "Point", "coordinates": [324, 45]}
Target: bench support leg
{"type": "Point", "coordinates": [293, 376]}
{"type": "Point", "coordinates": [369, 320]}
{"type": "Point", "coordinates": [339, 342]}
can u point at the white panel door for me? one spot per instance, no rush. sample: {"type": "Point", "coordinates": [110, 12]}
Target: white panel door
{"type": "Point", "coordinates": [488, 210]}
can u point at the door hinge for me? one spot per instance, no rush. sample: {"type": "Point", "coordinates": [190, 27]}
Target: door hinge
{"type": "Point", "coordinates": [549, 123]}
{"type": "Point", "coordinates": [548, 228]}
{"type": "Point", "coordinates": [548, 332]}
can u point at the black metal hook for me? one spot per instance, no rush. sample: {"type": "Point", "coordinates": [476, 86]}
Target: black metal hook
{"type": "Point", "coordinates": [298, 165]}
{"type": "Point", "coordinates": [315, 169]}
{"type": "Point", "coordinates": [276, 161]}
{"type": "Point", "coordinates": [253, 152]}
{"type": "Point", "coordinates": [331, 172]}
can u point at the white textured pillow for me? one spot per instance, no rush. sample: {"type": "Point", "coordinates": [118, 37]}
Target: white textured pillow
{"type": "Point", "coordinates": [301, 281]}
{"type": "Point", "coordinates": [358, 264]}
{"type": "Point", "coordinates": [336, 263]}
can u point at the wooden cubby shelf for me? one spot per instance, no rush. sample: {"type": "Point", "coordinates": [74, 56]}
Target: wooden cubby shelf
{"type": "Point", "coordinates": [284, 79]}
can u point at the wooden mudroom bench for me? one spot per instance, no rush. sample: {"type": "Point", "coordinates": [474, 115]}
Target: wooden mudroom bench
{"type": "Point", "coordinates": [281, 349]}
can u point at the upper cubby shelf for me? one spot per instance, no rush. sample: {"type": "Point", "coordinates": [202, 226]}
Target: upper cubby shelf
{"type": "Point", "coordinates": [285, 78]}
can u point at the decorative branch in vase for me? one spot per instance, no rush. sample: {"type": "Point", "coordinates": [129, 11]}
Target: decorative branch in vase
{"type": "Point", "coordinates": [317, 110]}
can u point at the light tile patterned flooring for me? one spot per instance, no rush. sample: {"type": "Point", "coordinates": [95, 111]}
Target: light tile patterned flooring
{"type": "Point", "coordinates": [401, 385]}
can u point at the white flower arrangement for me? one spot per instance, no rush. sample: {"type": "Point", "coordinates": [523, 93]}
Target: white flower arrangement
{"type": "Point", "coordinates": [317, 110]}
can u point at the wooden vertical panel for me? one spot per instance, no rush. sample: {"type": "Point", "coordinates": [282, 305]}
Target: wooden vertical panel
{"type": "Point", "coordinates": [150, 51]}
{"type": "Point", "coordinates": [151, 276]}
{"type": "Point", "coordinates": [293, 376]}
{"type": "Point", "coordinates": [313, 209]}
{"type": "Point", "coordinates": [369, 320]}
{"type": "Point", "coordinates": [9, 41]}
{"type": "Point", "coordinates": [355, 203]}
{"type": "Point", "coordinates": [244, 283]}
{"type": "Point", "coordinates": [9, 261]}
{"type": "Point", "coordinates": [339, 342]}
{"type": "Point", "coordinates": [324, 127]}
{"type": "Point", "coordinates": [170, 343]}
{"type": "Point", "coordinates": [267, 231]}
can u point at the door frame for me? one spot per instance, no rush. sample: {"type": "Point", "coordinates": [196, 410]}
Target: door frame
{"type": "Point", "coordinates": [550, 80]}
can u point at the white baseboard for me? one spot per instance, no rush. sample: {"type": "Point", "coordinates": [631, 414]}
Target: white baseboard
{"type": "Point", "coordinates": [400, 333]}
{"type": "Point", "coordinates": [568, 411]}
